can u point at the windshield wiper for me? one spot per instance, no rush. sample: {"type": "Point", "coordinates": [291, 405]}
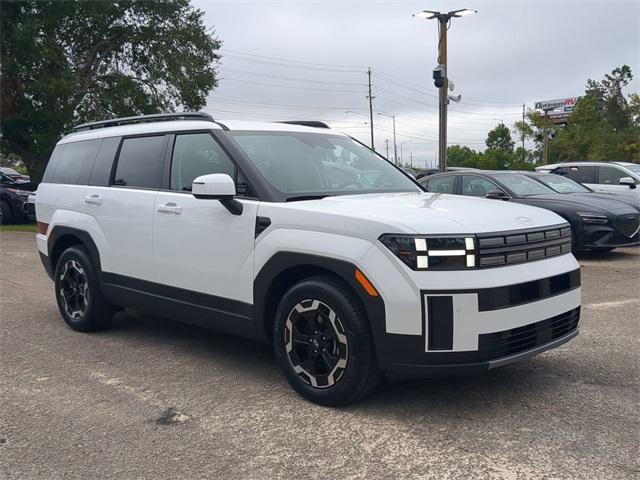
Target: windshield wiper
{"type": "Point", "coordinates": [299, 198]}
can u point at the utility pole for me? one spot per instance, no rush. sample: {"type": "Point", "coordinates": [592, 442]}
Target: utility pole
{"type": "Point", "coordinates": [545, 146]}
{"type": "Point", "coordinates": [395, 146]}
{"type": "Point", "coordinates": [440, 73]}
{"type": "Point", "coordinates": [442, 60]}
{"type": "Point", "coordinates": [411, 157]}
{"type": "Point", "coordinates": [386, 142]}
{"type": "Point", "coordinates": [370, 97]}
{"type": "Point", "coordinates": [523, 132]}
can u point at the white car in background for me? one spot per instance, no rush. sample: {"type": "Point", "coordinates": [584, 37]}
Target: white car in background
{"type": "Point", "coordinates": [607, 177]}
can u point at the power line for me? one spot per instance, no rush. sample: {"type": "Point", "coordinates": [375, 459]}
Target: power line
{"type": "Point", "coordinates": [290, 79]}
{"type": "Point", "coordinates": [288, 86]}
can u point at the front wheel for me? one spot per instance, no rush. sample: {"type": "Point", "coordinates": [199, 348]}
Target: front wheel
{"type": "Point", "coordinates": [323, 344]}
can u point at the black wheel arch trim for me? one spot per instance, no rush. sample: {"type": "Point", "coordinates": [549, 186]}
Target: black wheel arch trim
{"type": "Point", "coordinates": [60, 231]}
{"type": "Point", "coordinates": [282, 262]}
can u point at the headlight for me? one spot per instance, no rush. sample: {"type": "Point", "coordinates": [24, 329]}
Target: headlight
{"type": "Point", "coordinates": [21, 193]}
{"type": "Point", "coordinates": [424, 252]}
{"type": "Point", "coordinates": [590, 217]}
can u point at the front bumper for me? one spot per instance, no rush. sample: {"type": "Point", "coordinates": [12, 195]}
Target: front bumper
{"type": "Point", "coordinates": [593, 237]}
{"type": "Point", "coordinates": [449, 322]}
{"type": "Point", "coordinates": [495, 350]}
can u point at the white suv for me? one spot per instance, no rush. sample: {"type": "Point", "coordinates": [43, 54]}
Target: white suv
{"type": "Point", "coordinates": [296, 234]}
{"type": "Point", "coordinates": [620, 178]}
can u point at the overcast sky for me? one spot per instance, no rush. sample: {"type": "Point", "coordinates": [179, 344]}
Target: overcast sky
{"type": "Point", "coordinates": [307, 59]}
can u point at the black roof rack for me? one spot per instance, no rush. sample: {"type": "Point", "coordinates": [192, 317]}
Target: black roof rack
{"type": "Point", "coordinates": [158, 117]}
{"type": "Point", "coordinates": [307, 123]}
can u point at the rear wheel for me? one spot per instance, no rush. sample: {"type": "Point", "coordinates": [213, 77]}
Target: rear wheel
{"type": "Point", "coordinates": [78, 292]}
{"type": "Point", "coordinates": [323, 344]}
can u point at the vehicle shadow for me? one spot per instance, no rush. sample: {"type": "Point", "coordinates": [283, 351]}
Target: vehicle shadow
{"type": "Point", "coordinates": [254, 362]}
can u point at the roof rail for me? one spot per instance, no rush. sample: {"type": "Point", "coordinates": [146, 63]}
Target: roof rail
{"type": "Point", "coordinates": [307, 123]}
{"type": "Point", "coordinates": [158, 117]}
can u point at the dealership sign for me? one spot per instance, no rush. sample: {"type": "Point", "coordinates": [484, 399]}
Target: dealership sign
{"type": "Point", "coordinates": [561, 104]}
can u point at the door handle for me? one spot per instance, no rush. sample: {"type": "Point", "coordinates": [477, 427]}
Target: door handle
{"type": "Point", "coordinates": [93, 199]}
{"type": "Point", "coordinates": [170, 208]}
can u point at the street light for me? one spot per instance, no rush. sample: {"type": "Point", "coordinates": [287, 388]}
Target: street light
{"type": "Point", "coordinates": [440, 73]}
{"type": "Point", "coordinates": [395, 148]}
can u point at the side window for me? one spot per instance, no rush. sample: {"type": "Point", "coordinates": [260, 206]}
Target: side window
{"type": "Point", "coordinates": [101, 173]}
{"type": "Point", "coordinates": [140, 162]}
{"type": "Point", "coordinates": [581, 174]}
{"type": "Point", "coordinates": [75, 162]}
{"type": "Point", "coordinates": [475, 186]}
{"type": "Point", "coordinates": [441, 184]}
{"type": "Point", "coordinates": [197, 154]}
{"type": "Point", "coordinates": [610, 175]}
{"type": "Point", "coordinates": [51, 165]}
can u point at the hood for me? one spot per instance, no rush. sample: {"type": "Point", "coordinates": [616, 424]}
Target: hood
{"type": "Point", "coordinates": [425, 213]}
{"type": "Point", "coordinates": [587, 202]}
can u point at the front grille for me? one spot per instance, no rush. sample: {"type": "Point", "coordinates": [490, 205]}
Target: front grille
{"type": "Point", "coordinates": [516, 340]}
{"type": "Point", "coordinates": [507, 248]}
{"type": "Point", "coordinates": [627, 224]}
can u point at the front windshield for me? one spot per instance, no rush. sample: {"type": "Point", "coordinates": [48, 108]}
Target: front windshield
{"type": "Point", "coordinates": [562, 184]}
{"type": "Point", "coordinates": [634, 168]}
{"type": "Point", "coordinates": [523, 186]}
{"type": "Point", "coordinates": [308, 164]}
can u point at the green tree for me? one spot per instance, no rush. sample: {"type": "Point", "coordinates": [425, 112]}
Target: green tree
{"type": "Point", "coordinates": [500, 138]}
{"type": "Point", "coordinates": [462, 156]}
{"type": "Point", "coordinates": [77, 60]}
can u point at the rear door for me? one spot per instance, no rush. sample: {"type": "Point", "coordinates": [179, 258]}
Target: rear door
{"type": "Point", "coordinates": [120, 198]}
{"type": "Point", "coordinates": [199, 246]}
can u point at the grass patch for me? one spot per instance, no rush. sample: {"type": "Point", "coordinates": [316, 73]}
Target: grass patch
{"type": "Point", "coordinates": [18, 228]}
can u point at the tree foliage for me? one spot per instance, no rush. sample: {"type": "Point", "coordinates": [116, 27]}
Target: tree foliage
{"type": "Point", "coordinates": [604, 125]}
{"type": "Point", "coordinates": [77, 60]}
{"type": "Point", "coordinates": [499, 138]}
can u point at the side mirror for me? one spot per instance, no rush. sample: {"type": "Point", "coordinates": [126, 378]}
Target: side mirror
{"type": "Point", "coordinates": [497, 195]}
{"type": "Point", "coordinates": [627, 181]}
{"type": "Point", "coordinates": [217, 186]}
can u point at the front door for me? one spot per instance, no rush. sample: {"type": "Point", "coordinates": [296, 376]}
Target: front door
{"type": "Point", "coordinates": [199, 246]}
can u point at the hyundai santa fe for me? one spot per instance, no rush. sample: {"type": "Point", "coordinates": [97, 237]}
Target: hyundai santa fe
{"type": "Point", "coordinates": [298, 235]}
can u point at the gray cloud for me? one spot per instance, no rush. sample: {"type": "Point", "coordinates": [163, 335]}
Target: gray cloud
{"type": "Point", "coordinates": [509, 53]}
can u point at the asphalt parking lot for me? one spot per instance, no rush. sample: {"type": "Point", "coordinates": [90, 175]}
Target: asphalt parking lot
{"type": "Point", "coordinates": [156, 399]}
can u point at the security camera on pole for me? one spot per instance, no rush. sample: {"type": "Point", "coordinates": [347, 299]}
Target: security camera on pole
{"type": "Point", "coordinates": [440, 73]}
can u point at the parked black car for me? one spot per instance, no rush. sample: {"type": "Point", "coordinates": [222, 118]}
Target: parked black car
{"type": "Point", "coordinates": [566, 186]}
{"type": "Point", "coordinates": [597, 223]}
{"type": "Point", "coordinates": [13, 195]}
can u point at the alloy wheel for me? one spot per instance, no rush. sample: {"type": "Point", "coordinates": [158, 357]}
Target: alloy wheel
{"type": "Point", "coordinates": [74, 289]}
{"type": "Point", "coordinates": [316, 343]}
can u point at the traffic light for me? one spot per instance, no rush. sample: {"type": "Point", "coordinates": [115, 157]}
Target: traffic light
{"type": "Point", "coordinates": [439, 75]}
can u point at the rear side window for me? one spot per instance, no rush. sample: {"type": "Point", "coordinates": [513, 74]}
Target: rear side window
{"type": "Point", "coordinates": [51, 165]}
{"type": "Point", "coordinates": [140, 162]}
{"type": "Point", "coordinates": [610, 175]}
{"type": "Point", "coordinates": [74, 163]}
{"type": "Point", "coordinates": [101, 173]}
{"type": "Point", "coordinates": [441, 184]}
{"type": "Point", "coordinates": [581, 174]}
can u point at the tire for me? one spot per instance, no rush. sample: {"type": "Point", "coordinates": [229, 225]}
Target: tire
{"type": "Point", "coordinates": [78, 293]}
{"type": "Point", "coordinates": [6, 213]}
{"type": "Point", "coordinates": [320, 315]}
